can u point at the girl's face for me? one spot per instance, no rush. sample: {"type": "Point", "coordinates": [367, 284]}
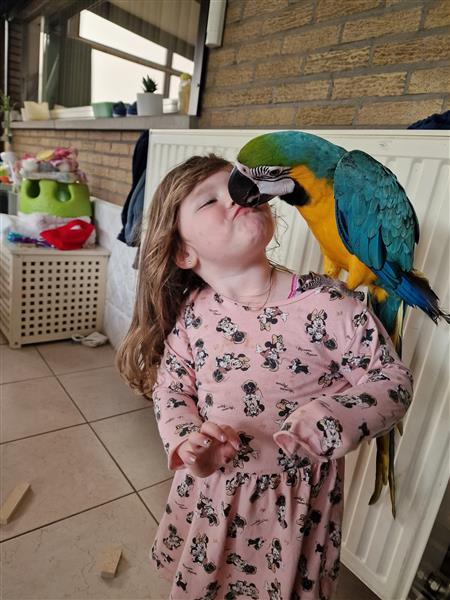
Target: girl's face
{"type": "Point", "coordinates": [218, 232]}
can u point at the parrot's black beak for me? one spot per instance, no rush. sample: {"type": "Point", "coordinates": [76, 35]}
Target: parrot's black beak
{"type": "Point", "coordinates": [244, 191]}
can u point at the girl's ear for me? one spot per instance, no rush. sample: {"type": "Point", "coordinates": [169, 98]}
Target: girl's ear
{"type": "Point", "coordinates": [185, 258]}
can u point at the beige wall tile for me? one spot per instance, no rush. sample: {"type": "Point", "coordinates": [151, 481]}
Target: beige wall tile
{"type": "Point", "coordinates": [337, 60]}
{"type": "Point", "coordinates": [300, 92]}
{"type": "Point", "coordinates": [325, 115]}
{"type": "Point", "coordinates": [397, 113]}
{"type": "Point", "coordinates": [417, 50]}
{"type": "Point", "coordinates": [329, 9]}
{"type": "Point", "coordinates": [427, 81]}
{"type": "Point", "coordinates": [398, 22]}
{"type": "Point", "coordinates": [438, 14]}
{"type": "Point", "coordinates": [383, 84]}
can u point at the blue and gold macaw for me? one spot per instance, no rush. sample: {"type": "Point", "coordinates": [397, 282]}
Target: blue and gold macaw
{"type": "Point", "coordinates": [363, 221]}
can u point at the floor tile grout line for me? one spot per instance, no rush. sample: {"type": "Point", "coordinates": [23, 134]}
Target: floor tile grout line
{"type": "Point", "coordinates": [69, 516]}
{"type": "Point", "coordinates": [26, 437]}
{"type": "Point", "coordinates": [111, 456]}
{"type": "Point", "coordinates": [134, 492]}
{"type": "Point", "coordinates": [53, 374]}
{"type": "Point", "coordinates": [71, 399]}
{"type": "Point", "coordinates": [33, 435]}
{"type": "Point", "coordinates": [48, 376]}
{"type": "Point", "coordinates": [81, 412]}
{"type": "Point", "coordinates": [119, 467]}
{"type": "Point", "coordinates": [66, 391]}
{"type": "Point", "coordinates": [70, 372]}
{"type": "Point", "coordinates": [133, 410]}
{"type": "Point", "coordinates": [83, 370]}
{"type": "Point", "coordinates": [147, 487]}
{"type": "Point", "coordinates": [147, 508]}
{"type": "Point", "coordinates": [36, 346]}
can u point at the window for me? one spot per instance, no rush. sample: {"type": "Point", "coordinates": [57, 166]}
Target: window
{"type": "Point", "coordinates": [100, 51]}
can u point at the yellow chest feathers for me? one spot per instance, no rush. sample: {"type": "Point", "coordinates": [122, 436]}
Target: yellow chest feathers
{"type": "Point", "coordinates": [319, 212]}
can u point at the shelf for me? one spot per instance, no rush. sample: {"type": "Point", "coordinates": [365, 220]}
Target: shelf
{"type": "Point", "coordinates": [167, 121]}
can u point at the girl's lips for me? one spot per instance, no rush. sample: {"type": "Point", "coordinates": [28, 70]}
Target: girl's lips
{"type": "Point", "coordinates": [241, 210]}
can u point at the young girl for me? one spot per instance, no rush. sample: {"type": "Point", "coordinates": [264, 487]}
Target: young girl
{"type": "Point", "coordinates": [262, 382]}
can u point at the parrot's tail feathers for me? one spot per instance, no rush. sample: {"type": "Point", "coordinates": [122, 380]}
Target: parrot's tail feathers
{"type": "Point", "coordinates": [415, 289]}
{"type": "Point", "coordinates": [398, 329]}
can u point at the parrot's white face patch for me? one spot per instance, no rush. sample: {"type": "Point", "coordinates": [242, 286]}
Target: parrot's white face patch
{"type": "Point", "coordinates": [276, 188]}
{"type": "Point", "coordinates": [270, 180]}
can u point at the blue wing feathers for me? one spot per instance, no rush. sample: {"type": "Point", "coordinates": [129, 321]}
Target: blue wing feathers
{"type": "Point", "coordinates": [374, 208]}
{"type": "Point", "coordinates": [377, 251]}
{"type": "Point", "coordinates": [378, 224]}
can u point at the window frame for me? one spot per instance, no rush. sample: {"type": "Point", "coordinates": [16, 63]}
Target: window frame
{"type": "Point", "coordinates": [198, 59]}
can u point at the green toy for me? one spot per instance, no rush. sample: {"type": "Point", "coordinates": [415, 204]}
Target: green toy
{"type": "Point", "coordinates": [54, 198]}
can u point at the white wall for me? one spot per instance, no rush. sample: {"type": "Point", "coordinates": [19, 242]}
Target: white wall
{"type": "Point", "coordinates": [121, 277]}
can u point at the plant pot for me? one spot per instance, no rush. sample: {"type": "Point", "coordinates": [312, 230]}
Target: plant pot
{"type": "Point", "coordinates": [102, 109]}
{"type": "Point", "coordinates": [149, 104]}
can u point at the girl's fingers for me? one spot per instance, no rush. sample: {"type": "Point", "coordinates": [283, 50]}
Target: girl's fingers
{"type": "Point", "coordinates": [199, 440]}
{"type": "Point", "coordinates": [213, 430]}
{"type": "Point", "coordinates": [232, 436]}
{"type": "Point", "coordinates": [222, 433]}
{"type": "Point", "coordinates": [185, 452]}
{"type": "Point", "coordinates": [228, 456]}
{"type": "Point", "coordinates": [190, 458]}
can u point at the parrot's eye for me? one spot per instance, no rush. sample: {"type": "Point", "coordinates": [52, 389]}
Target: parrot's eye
{"type": "Point", "coordinates": [276, 172]}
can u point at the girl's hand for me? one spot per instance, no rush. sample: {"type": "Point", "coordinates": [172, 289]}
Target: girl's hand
{"type": "Point", "coordinates": [208, 449]}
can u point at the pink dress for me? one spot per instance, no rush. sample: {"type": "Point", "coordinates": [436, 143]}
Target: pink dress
{"type": "Point", "coordinates": [303, 383]}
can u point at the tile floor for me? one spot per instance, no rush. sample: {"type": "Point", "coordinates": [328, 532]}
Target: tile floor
{"type": "Point", "coordinates": [91, 451]}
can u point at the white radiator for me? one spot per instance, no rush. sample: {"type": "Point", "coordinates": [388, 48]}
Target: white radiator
{"type": "Point", "coordinates": [384, 553]}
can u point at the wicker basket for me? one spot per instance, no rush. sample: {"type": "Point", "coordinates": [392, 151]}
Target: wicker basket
{"type": "Point", "coordinates": [48, 294]}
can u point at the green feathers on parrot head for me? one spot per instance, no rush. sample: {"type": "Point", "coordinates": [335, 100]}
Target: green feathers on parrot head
{"type": "Point", "coordinates": [290, 149]}
{"type": "Point", "coordinates": [266, 150]}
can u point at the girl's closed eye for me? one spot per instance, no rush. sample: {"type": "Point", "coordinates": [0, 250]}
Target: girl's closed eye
{"type": "Point", "coordinates": [209, 202]}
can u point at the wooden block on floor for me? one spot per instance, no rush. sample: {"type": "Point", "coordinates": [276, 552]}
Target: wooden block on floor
{"type": "Point", "coordinates": [12, 502]}
{"type": "Point", "coordinates": [110, 562]}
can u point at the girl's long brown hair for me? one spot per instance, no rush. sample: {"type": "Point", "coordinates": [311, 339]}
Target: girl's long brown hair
{"type": "Point", "coordinates": [162, 286]}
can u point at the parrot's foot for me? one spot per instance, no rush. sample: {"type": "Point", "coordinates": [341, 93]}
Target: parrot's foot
{"type": "Point", "coordinates": [359, 274]}
{"type": "Point", "coordinates": [333, 273]}
{"type": "Point", "coordinates": [330, 268]}
{"type": "Point", "coordinates": [379, 293]}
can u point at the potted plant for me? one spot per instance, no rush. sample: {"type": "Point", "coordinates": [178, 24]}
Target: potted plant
{"type": "Point", "coordinates": [149, 103]}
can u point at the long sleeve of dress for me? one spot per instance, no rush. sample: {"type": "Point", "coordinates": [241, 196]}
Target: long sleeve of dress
{"type": "Point", "coordinates": [175, 394]}
{"type": "Point", "coordinates": [331, 425]}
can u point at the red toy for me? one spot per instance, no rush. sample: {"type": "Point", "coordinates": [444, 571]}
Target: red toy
{"type": "Point", "coordinates": [70, 236]}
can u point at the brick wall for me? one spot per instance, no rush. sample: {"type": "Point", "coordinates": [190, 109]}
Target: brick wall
{"type": "Point", "coordinates": [321, 63]}
{"type": "Point", "coordinates": [105, 156]}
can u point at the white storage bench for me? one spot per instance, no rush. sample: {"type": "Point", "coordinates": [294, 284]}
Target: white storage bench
{"type": "Point", "coordinates": [48, 294]}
